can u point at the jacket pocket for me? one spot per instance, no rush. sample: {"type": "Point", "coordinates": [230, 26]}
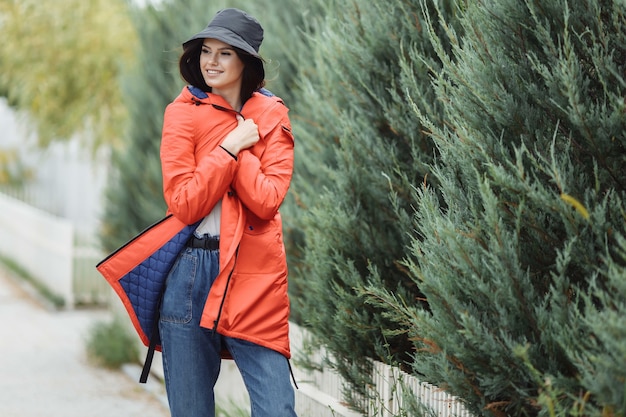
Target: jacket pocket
{"type": "Point", "coordinates": [258, 305]}
{"type": "Point", "coordinates": [261, 252]}
{"type": "Point", "coordinates": [177, 299]}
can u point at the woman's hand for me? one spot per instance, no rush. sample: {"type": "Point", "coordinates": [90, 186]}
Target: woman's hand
{"type": "Point", "coordinates": [244, 136]}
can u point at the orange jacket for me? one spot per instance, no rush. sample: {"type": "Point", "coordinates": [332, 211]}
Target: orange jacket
{"type": "Point", "coordinates": [248, 299]}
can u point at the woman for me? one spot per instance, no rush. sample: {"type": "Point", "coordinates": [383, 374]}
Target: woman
{"type": "Point", "coordinates": [227, 161]}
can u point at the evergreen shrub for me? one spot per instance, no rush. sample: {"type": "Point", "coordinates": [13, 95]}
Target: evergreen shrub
{"type": "Point", "coordinates": [519, 250]}
{"type": "Point", "coordinates": [462, 175]}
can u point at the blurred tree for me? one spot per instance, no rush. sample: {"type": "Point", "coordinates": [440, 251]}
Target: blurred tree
{"type": "Point", "coordinates": [60, 63]}
{"type": "Point", "coordinates": [12, 171]}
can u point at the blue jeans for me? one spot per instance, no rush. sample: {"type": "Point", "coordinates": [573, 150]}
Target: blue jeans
{"type": "Point", "coordinates": [191, 354]}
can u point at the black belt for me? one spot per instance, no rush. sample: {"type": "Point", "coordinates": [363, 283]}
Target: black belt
{"type": "Point", "coordinates": [206, 242]}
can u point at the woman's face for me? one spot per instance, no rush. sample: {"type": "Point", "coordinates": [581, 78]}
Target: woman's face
{"type": "Point", "coordinates": [221, 67]}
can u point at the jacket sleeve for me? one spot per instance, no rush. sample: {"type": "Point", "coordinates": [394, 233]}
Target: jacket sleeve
{"type": "Point", "coordinates": [262, 182]}
{"type": "Point", "coordinates": [192, 184]}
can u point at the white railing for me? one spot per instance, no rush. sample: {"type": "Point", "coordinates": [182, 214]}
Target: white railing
{"type": "Point", "coordinates": [88, 285]}
{"type": "Point", "coordinates": [44, 246]}
{"type": "Point", "coordinates": [40, 243]}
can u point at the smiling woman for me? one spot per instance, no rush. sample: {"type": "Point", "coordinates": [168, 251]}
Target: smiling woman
{"type": "Point", "coordinates": [227, 160]}
{"type": "Point", "coordinates": [227, 164]}
{"type": "Point", "coordinates": [222, 70]}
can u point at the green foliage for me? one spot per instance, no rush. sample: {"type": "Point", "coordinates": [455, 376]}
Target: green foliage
{"type": "Point", "coordinates": [63, 65]}
{"type": "Point", "coordinates": [359, 152]}
{"type": "Point", "coordinates": [595, 346]}
{"type": "Point", "coordinates": [519, 250]}
{"type": "Point", "coordinates": [286, 24]}
{"type": "Point", "coordinates": [111, 344]}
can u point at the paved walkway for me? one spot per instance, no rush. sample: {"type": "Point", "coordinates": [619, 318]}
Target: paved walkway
{"type": "Point", "coordinates": [44, 370]}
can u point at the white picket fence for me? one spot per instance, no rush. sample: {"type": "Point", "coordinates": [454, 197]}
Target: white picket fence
{"type": "Point", "coordinates": [46, 247]}
{"type": "Point", "coordinates": [321, 391]}
{"type": "Point", "coordinates": [391, 383]}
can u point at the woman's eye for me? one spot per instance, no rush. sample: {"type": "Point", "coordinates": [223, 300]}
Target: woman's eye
{"type": "Point", "coordinates": [226, 53]}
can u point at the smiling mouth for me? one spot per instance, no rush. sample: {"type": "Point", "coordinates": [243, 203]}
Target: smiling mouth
{"type": "Point", "coordinates": [213, 72]}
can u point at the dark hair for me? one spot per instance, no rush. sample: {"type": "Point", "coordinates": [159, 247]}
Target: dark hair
{"type": "Point", "coordinates": [253, 70]}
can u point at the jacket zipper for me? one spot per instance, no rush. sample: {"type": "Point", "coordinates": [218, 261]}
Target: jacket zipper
{"type": "Point", "coordinates": [135, 238]}
{"type": "Point", "coordinates": [197, 102]}
{"type": "Point", "coordinates": [222, 108]}
{"type": "Point", "coordinates": [230, 274]}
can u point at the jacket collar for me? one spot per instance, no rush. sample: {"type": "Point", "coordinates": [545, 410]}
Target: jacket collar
{"type": "Point", "coordinates": [202, 95]}
{"type": "Point", "coordinates": [261, 102]}
{"type": "Point", "coordinates": [196, 92]}
{"type": "Point", "coordinates": [197, 96]}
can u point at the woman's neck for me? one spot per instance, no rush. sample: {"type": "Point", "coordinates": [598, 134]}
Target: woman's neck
{"type": "Point", "coordinates": [232, 97]}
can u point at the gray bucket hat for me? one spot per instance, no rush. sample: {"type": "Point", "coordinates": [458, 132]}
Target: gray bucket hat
{"type": "Point", "coordinates": [234, 27]}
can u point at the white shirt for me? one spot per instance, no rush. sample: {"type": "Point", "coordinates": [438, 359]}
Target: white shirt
{"type": "Point", "coordinates": [210, 225]}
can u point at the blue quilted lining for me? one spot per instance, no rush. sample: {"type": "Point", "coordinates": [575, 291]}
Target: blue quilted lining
{"type": "Point", "coordinates": [144, 283]}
